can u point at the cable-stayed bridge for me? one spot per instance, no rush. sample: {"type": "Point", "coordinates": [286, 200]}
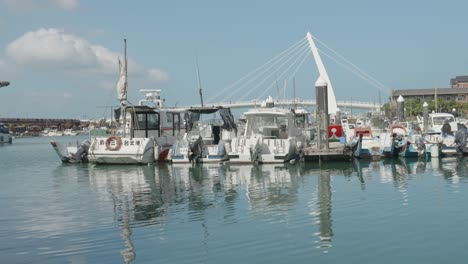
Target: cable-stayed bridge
{"type": "Point", "coordinates": [342, 105]}
{"type": "Point", "coordinates": [279, 72]}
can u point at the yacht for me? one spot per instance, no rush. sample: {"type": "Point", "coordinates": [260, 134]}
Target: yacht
{"type": "Point", "coordinates": [272, 135]}
{"type": "Point", "coordinates": [149, 131]}
{"type": "Point", "coordinates": [208, 137]}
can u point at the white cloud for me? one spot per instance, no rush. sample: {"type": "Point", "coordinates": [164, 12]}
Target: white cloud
{"type": "Point", "coordinates": [37, 4]}
{"type": "Point", "coordinates": [158, 75]}
{"type": "Point", "coordinates": [67, 4]}
{"type": "Point", "coordinates": [7, 70]}
{"type": "Point", "coordinates": [52, 48]}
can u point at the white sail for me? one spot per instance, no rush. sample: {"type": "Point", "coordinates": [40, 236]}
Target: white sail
{"type": "Point", "coordinates": [122, 84]}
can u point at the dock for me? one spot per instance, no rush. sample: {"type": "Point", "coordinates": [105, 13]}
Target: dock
{"type": "Point", "coordinates": [335, 152]}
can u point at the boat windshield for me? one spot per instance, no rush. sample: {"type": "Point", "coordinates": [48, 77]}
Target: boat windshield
{"type": "Point", "coordinates": [440, 120]}
{"type": "Point", "coordinates": [267, 125]}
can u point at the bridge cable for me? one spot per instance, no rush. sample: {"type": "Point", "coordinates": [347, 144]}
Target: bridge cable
{"type": "Point", "coordinates": [269, 62]}
{"type": "Point", "coordinates": [301, 51]}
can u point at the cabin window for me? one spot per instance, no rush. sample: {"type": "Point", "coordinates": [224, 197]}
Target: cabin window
{"type": "Point", "coordinates": [169, 118]}
{"type": "Point", "coordinates": [267, 125]}
{"type": "Point", "coordinates": [152, 121]}
{"type": "Point", "coordinates": [146, 121]}
{"type": "Point", "coordinates": [440, 120]}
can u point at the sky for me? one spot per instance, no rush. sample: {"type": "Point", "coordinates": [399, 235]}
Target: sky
{"type": "Point", "coordinates": [61, 56]}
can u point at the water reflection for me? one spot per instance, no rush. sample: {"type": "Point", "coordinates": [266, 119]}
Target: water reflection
{"type": "Point", "coordinates": [163, 194]}
{"type": "Point", "coordinates": [325, 208]}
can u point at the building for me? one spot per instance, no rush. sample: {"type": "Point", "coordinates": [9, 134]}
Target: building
{"type": "Point", "coordinates": [458, 92]}
{"type": "Point", "coordinates": [459, 82]}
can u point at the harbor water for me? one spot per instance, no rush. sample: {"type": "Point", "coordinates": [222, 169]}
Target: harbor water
{"type": "Point", "coordinates": [389, 211]}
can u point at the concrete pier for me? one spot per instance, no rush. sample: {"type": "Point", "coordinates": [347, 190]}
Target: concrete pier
{"type": "Point", "coordinates": [323, 119]}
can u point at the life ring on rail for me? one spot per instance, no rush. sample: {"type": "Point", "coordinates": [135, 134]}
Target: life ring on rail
{"type": "Point", "coordinates": [118, 144]}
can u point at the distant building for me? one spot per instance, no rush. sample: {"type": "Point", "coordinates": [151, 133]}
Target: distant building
{"type": "Point", "coordinates": [458, 92]}
{"type": "Point", "coordinates": [459, 82]}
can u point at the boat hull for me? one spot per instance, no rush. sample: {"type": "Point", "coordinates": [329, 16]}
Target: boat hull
{"type": "Point", "coordinates": [114, 150]}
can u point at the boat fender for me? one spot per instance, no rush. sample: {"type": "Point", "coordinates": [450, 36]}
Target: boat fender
{"type": "Point", "coordinates": [117, 146]}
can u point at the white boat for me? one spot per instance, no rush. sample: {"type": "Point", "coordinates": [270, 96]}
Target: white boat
{"type": "Point", "coordinates": [364, 144]}
{"type": "Point", "coordinates": [149, 133]}
{"type": "Point", "coordinates": [391, 142]}
{"type": "Point", "coordinates": [54, 133]}
{"type": "Point", "coordinates": [438, 120]}
{"type": "Point", "coordinates": [208, 137]}
{"type": "Point", "coordinates": [451, 136]}
{"type": "Point", "coordinates": [271, 136]}
{"type": "Point", "coordinates": [69, 132]}
{"type": "Point", "coordinates": [5, 136]}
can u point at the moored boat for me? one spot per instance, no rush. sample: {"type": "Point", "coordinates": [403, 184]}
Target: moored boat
{"type": "Point", "coordinates": [272, 135]}
{"type": "Point", "coordinates": [208, 137]}
{"type": "Point", "coordinates": [149, 132]}
{"type": "Point", "coordinates": [364, 145]}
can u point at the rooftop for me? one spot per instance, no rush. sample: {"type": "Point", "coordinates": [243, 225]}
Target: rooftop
{"type": "Point", "coordinates": [440, 91]}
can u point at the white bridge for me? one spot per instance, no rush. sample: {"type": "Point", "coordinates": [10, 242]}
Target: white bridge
{"type": "Point", "coordinates": [343, 105]}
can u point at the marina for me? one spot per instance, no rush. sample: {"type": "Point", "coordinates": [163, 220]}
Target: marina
{"type": "Point", "coordinates": [233, 132]}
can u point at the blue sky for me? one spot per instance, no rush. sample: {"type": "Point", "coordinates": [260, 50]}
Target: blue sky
{"type": "Point", "coordinates": [402, 44]}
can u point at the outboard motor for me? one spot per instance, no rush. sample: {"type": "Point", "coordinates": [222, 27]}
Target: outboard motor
{"type": "Point", "coordinates": [460, 137]}
{"type": "Point", "coordinates": [421, 146]}
{"type": "Point", "coordinates": [81, 153]}
{"type": "Point", "coordinates": [196, 149]}
{"type": "Point", "coordinates": [255, 150]}
{"type": "Point", "coordinates": [80, 156]}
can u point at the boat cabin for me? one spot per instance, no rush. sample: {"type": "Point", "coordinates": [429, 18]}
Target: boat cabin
{"type": "Point", "coordinates": [145, 122]}
{"type": "Point", "coordinates": [437, 121]}
{"type": "Point", "coordinates": [271, 123]}
{"type": "Point", "coordinates": [209, 122]}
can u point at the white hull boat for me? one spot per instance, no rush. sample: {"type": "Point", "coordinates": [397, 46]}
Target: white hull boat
{"type": "Point", "coordinates": [148, 135]}
{"type": "Point", "coordinates": [207, 139]}
{"type": "Point", "coordinates": [271, 136]}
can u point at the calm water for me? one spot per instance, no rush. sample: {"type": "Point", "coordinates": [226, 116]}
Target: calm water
{"type": "Point", "coordinates": [400, 211]}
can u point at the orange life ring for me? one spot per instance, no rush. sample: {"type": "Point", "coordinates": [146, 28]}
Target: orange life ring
{"type": "Point", "coordinates": [117, 146]}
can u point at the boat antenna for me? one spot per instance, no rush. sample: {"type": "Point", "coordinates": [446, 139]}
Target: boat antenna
{"type": "Point", "coordinates": [199, 83]}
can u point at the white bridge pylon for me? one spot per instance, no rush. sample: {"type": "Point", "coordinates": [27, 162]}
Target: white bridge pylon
{"type": "Point", "coordinates": [332, 105]}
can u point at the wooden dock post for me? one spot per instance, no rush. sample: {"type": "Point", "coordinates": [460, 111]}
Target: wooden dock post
{"type": "Point", "coordinates": [425, 116]}
{"type": "Point", "coordinates": [321, 96]}
{"type": "Point", "coordinates": [400, 109]}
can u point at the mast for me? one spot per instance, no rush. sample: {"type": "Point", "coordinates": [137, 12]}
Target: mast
{"type": "Point", "coordinates": [435, 98]}
{"type": "Point", "coordinates": [199, 84]}
{"type": "Point", "coordinates": [294, 93]}
{"type": "Point", "coordinates": [332, 106]}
